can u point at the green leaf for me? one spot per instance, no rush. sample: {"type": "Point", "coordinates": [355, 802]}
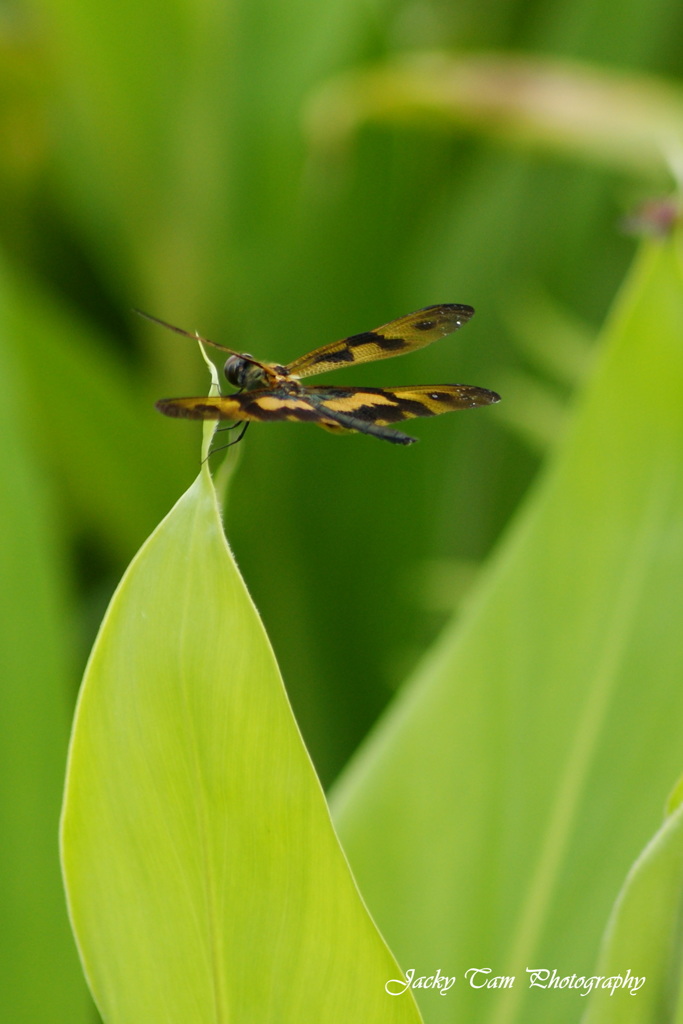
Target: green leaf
{"type": "Point", "coordinates": [643, 938]}
{"type": "Point", "coordinates": [204, 879]}
{"type": "Point", "coordinates": [513, 782]}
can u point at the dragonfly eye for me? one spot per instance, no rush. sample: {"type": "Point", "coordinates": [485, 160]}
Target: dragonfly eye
{"type": "Point", "coordinates": [235, 370]}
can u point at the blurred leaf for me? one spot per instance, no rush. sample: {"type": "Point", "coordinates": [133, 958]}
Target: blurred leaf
{"type": "Point", "coordinates": [532, 409]}
{"type": "Point", "coordinates": [39, 973]}
{"type": "Point", "coordinates": [625, 120]}
{"type": "Point", "coordinates": [643, 938]}
{"type": "Point", "coordinates": [551, 337]}
{"type": "Point", "coordinates": [204, 878]}
{"type": "Point", "coordinates": [509, 788]}
{"type": "Point", "coordinates": [558, 346]}
{"type": "Point", "coordinates": [99, 429]}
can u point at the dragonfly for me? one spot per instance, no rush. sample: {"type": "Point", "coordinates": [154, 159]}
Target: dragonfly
{"type": "Point", "coordinates": [268, 392]}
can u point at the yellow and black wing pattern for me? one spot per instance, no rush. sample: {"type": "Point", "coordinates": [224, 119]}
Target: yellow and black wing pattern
{"type": "Point", "coordinates": [270, 391]}
{"type": "Point", "coordinates": [408, 333]}
{"type": "Point", "coordinates": [364, 410]}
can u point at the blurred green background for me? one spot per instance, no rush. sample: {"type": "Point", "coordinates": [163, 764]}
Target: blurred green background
{"type": "Point", "coordinates": [277, 174]}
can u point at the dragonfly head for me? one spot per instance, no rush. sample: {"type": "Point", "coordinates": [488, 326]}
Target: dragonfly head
{"type": "Point", "coordinates": [243, 371]}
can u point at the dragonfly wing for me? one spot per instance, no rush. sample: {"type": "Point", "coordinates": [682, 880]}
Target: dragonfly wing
{"type": "Point", "coordinates": [403, 335]}
{"type": "Point", "coordinates": [384, 406]}
{"type": "Point", "coordinates": [364, 410]}
{"type": "Point", "coordinates": [262, 405]}
{"type": "Point", "coordinates": [268, 406]}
